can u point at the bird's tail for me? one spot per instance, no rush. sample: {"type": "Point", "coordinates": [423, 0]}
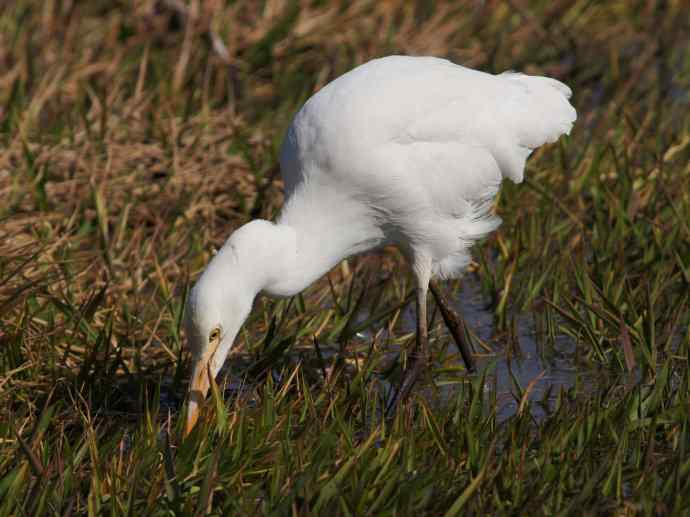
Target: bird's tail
{"type": "Point", "coordinates": [540, 115]}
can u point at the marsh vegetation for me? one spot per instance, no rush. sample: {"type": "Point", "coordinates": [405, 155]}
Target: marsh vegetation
{"type": "Point", "coordinates": [135, 135]}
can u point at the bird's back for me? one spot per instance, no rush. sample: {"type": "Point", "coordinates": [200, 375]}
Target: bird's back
{"type": "Point", "coordinates": [401, 100]}
{"type": "Point", "coordinates": [418, 138]}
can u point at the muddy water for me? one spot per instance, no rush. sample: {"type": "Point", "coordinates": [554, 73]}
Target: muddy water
{"type": "Point", "coordinates": [553, 367]}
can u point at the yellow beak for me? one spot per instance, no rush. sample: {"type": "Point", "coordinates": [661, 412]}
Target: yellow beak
{"type": "Point", "coordinates": [199, 385]}
{"type": "Point", "coordinates": [198, 389]}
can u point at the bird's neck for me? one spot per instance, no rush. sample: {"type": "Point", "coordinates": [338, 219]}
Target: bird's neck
{"type": "Point", "coordinates": [327, 228]}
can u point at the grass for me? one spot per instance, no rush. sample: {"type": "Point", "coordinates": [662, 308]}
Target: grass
{"type": "Point", "coordinates": [135, 135]}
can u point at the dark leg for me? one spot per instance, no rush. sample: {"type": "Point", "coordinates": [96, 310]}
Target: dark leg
{"type": "Point", "coordinates": [455, 324]}
{"type": "Point", "coordinates": [420, 354]}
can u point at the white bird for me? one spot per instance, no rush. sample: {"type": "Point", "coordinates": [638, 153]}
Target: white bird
{"type": "Point", "coordinates": [407, 151]}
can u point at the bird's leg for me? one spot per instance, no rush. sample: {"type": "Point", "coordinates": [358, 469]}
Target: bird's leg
{"type": "Point", "coordinates": [420, 353]}
{"type": "Point", "coordinates": [455, 323]}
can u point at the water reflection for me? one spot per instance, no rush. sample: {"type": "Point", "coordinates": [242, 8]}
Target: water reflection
{"type": "Point", "coordinates": [544, 369]}
{"type": "Point", "coordinates": [550, 368]}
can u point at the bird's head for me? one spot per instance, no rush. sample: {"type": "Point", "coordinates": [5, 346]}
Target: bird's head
{"type": "Point", "coordinates": [221, 300]}
{"type": "Point", "coordinates": [217, 307]}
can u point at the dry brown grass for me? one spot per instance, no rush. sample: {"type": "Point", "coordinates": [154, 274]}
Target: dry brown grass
{"type": "Point", "coordinates": [135, 135]}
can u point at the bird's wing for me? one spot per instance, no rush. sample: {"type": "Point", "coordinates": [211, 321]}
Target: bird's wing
{"type": "Point", "coordinates": [343, 132]}
{"type": "Point", "coordinates": [508, 115]}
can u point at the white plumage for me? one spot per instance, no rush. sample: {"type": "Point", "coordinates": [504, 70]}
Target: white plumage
{"type": "Point", "coordinates": [411, 150]}
{"type": "Point", "coordinates": [400, 150]}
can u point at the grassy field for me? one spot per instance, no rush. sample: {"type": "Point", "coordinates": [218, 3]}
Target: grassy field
{"type": "Point", "coordinates": [135, 135]}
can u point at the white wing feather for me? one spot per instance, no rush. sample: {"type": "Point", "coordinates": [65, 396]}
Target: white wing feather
{"type": "Point", "coordinates": [421, 99]}
{"type": "Point", "coordinates": [424, 144]}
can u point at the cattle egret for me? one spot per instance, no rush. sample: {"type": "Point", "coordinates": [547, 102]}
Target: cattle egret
{"type": "Point", "coordinates": [405, 151]}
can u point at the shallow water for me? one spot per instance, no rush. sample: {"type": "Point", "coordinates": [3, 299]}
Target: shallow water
{"type": "Point", "coordinates": [555, 366]}
{"type": "Point", "coordinates": [552, 368]}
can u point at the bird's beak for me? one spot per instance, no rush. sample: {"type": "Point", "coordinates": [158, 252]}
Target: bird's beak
{"type": "Point", "coordinates": [199, 385]}
{"type": "Point", "coordinates": [197, 393]}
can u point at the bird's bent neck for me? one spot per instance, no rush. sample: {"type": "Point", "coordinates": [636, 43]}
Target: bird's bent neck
{"type": "Point", "coordinates": [325, 228]}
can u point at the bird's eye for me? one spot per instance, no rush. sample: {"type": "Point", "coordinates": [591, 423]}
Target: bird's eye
{"type": "Point", "coordinates": [214, 335]}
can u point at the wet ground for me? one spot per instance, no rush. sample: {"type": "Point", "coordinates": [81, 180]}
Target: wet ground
{"type": "Point", "coordinates": [542, 369]}
{"type": "Point", "coordinates": [550, 368]}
